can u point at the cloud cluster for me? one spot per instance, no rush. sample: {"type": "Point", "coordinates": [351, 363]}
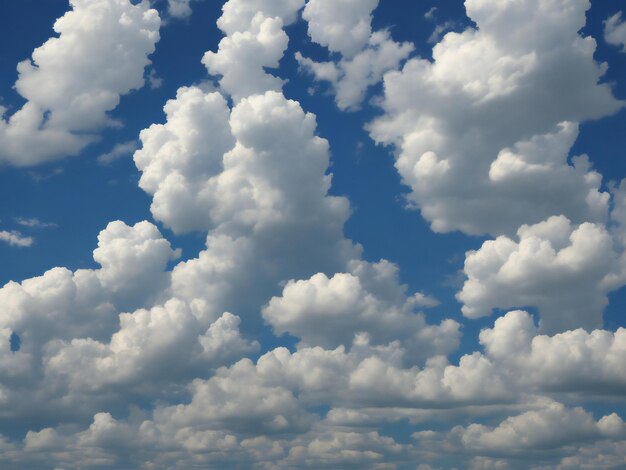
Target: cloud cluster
{"type": "Point", "coordinates": [75, 79]}
{"type": "Point", "coordinates": [148, 362]}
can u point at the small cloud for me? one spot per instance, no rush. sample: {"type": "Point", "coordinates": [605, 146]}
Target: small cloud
{"type": "Point", "coordinates": [38, 177]}
{"type": "Point", "coordinates": [615, 31]}
{"type": "Point", "coordinates": [34, 222]}
{"type": "Point", "coordinates": [440, 30]}
{"type": "Point", "coordinates": [119, 151]}
{"type": "Point", "coordinates": [179, 8]}
{"type": "Point", "coordinates": [425, 301]}
{"type": "Point", "coordinates": [455, 280]}
{"type": "Point", "coordinates": [430, 14]}
{"type": "Point", "coordinates": [154, 81]}
{"type": "Point", "coordinates": [15, 238]}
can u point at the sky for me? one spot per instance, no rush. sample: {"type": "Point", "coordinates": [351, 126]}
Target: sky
{"type": "Point", "coordinates": [369, 234]}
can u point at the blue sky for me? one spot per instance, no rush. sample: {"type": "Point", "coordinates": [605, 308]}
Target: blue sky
{"type": "Point", "coordinates": [453, 299]}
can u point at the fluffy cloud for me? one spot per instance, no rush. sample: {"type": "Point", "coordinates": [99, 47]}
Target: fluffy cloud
{"type": "Point", "coordinates": [65, 304]}
{"type": "Point", "coordinates": [615, 31]}
{"type": "Point", "coordinates": [551, 426]}
{"type": "Point", "coordinates": [481, 128]}
{"type": "Point", "coordinates": [242, 57]}
{"type": "Point", "coordinates": [254, 40]}
{"type": "Point", "coordinates": [172, 337]}
{"type": "Point", "coordinates": [264, 411]}
{"type": "Point", "coordinates": [73, 80]}
{"type": "Point", "coordinates": [247, 175]}
{"type": "Point", "coordinates": [351, 77]}
{"type": "Point", "coordinates": [134, 366]}
{"type": "Point", "coordinates": [344, 27]}
{"type": "Point", "coordinates": [237, 15]}
{"type": "Point", "coordinates": [578, 262]}
{"type": "Point", "coordinates": [574, 361]}
{"type": "Point", "coordinates": [328, 312]}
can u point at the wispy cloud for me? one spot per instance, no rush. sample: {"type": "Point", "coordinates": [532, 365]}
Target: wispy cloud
{"type": "Point", "coordinates": [34, 222]}
{"type": "Point", "coordinates": [15, 238]}
{"type": "Point", "coordinates": [119, 151]}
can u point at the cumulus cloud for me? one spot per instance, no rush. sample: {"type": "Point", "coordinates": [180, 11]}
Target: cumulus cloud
{"type": "Point", "coordinates": [254, 41]}
{"type": "Point", "coordinates": [531, 434]}
{"type": "Point", "coordinates": [574, 361]}
{"type": "Point", "coordinates": [137, 364]}
{"type": "Point", "coordinates": [149, 342]}
{"type": "Point", "coordinates": [238, 15]}
{"type": "Point", "coordinates": [65, 304]}
{"type": "Point", "coordinates": [481, 128]}
{"type": "Point", "coordinates": [344, 27]}
{"type": "Point", "coordinates": [328, 312]}
{"type": "Point", "coordinates": [247, 175]}
{"type": "Point", "coordinates": [579, 262]}
{"type": "Point", "coordinates": [615, 31]}
{"type": "Point", "coordinates": [350, 78]}
{"type": "Point", "coordinates": [75, 79]}
{"type": "Point", "coordinates": [242, 57]}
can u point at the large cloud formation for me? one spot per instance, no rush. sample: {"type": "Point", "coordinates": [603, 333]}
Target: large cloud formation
{"type": "Point", "coordinates": [278, 345]}
{"type": "Point", "coordinates": [483, 127]}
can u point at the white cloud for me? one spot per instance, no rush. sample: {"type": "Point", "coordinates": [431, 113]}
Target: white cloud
{"type": "Point", "coordinates": [238, 15]}
{"type": "Point", "coordinates": [65, 307]}
{"type": "Point", "coordinates": [499, 100]}
{"type": "Point", "coordinates": [615, 31]}
{"type": "Point", "coordinates": [343, 26]}
{"type": "Point", "coordinates": [254, 41]}
{"type": "Point", "coordinates": [64, 304]}
{"type": "Point", "coordinates": [551, 426]}
{"type": "Point", "coordinates": [74, 80]}
{"type": "Point", "coordinates": [15, 238]}
{"type": "Point", "coordinates": [242, 57]}
{"type": "Point", "coordinates": [174, 337]}
{"type": "Point", "coordinates": [328, 312]}
{"type": "Point", "coordinates": [574, 361]}
{"type": "Point", "coordinates": [134, 366]}
{"type": "Point", "coordinates": [247, 176]}
{"type": "Point", "coordinates": [578, 262]}
{"type": "Point", "coordinates": [351, 77]}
